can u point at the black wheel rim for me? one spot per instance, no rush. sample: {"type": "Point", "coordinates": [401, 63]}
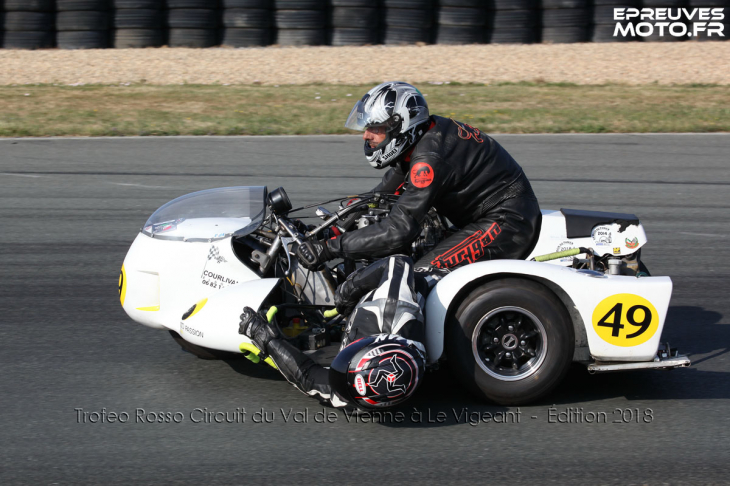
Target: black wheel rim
{"type": "Point", "coordinates": [509, 343]}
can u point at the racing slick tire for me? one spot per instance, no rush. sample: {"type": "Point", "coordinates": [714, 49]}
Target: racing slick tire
{"type": "Point", "coordinates": [202, 352]}
{"type": "Point", "coordinates": [511, 341]}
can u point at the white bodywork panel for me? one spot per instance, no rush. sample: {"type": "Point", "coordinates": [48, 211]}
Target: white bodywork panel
{"type": "Point", "coordinates": [173, 275]}
{"type": "Point", "coordinates": [586, 291]}
{"type": "Point", "coordinates": [605, 238]}
{"type": "Point", "coordinates": [163, 278]}
{"type": "Point", "coordinates": [215, 325]}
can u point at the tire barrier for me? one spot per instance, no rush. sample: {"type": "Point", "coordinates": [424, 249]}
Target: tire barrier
{"type": "Point", "coordinates": [246, 23]}
{"type": "Point", "coordinates": [137, 23]}
{"type": "Point", "coordinates": [353, 24]}
{"type": "Point", "coordinates": [461, 22]}
{"type": "Point", "coordinates": [82, 24]}
{"type": "Point", "coordinates": [565, 21]}
{"type": "Point", "coordinates": [27, 24]}
{"type": "Point", "coordinates": [513, 22]}
{"type": "Point", "coordinates": [300, 22]}
{"type": "Point", "coordinates": [94, 24]}
{"type": "Point", "coordinates": [192, 23]}
{"type": "Point", "coordinates": [603, 25]}
{"type": "Point", "coordinates": [407, 21]}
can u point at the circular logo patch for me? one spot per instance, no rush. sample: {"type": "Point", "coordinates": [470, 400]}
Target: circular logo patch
{"type": "Point", "coordinates": [421, 175]}
{"type": "Point", "coordinates": [625, 320]}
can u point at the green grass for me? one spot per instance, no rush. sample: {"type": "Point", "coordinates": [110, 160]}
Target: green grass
{"type": "Point", "coordinates": [139, 109]}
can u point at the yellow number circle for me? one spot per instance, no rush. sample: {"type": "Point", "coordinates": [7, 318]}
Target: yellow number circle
{"type": "Point", "coordinates": [122, 285]}
{"type": "Point", "coordinates": [625, 320]}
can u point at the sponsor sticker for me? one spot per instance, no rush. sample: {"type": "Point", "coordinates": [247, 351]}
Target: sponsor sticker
{"type": "Point", "coordinates": [164, 226]}
{"type": "Point", "coordinates": [631, 244]}
{"type": "Point", "coordinates": [616, 250]}
{"type": "Point", "coordinates": [625, 320]}
{"type": "Point", "coordinates": [360, 384]}
{"type": "Point", "coordinates": [184, 328]}
{"type": "Point", "coordinates": [214, 278]}
{"type": "Point", "coordinates": [565, 245]}
{"type": "Point", "coordinates": [421, 175]}
{"type": "Point", "coordinates": [602, 235]}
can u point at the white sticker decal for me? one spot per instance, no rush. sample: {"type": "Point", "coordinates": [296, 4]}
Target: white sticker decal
{"type": "Point", "coordinates": [602, 235]}
{"type": "Point", "coordinates": [360, 384]}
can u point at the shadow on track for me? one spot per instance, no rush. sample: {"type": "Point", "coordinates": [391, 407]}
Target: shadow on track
{"type": "Point", "coordinates": [442, 401]}
{"type": "Point", "coordinates": [694, 331]}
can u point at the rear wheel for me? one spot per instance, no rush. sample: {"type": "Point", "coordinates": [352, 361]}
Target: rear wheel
{"type": "Point", "coordinates": [511, 341]}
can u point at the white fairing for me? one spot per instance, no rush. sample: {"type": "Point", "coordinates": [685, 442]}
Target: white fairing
{"type": "Point", "coordinates": [164, 278]}
{"type": "Point", "coordinates": [586, 290]}
{"type": "Point", "coordinates": [605, 238]}
{"type": "Point", "coordinates": [215, 325]}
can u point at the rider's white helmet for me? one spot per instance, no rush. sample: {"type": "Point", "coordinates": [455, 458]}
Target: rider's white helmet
{"type": "Point", "coordinates": [398, 107]}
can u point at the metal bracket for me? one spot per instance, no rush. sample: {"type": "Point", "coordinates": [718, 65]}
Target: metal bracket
{"type": "Point", "coordinates": [666, 359]}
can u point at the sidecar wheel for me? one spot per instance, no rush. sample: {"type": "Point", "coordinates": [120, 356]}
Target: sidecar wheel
{"type": "Point", "coordinates": [201, 352]}
{"type": "Point", "coordinates": [511, 341]}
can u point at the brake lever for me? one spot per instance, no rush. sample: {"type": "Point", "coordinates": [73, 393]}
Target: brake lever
{"type": "Point", "coordinates": [285, 243]}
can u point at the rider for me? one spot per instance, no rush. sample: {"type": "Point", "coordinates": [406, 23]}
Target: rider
{"type": "Point", "coordinates": [381, 360]}
{"type": "Point", "coordinates": [435, 162]}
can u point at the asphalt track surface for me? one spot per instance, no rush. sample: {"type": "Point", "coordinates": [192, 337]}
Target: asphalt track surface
{"type": "Point", "coordinates": [70, 208]}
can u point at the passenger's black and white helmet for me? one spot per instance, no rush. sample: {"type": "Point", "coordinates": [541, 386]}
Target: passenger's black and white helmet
{"type": "Point", "coordinates": [398, 107]}
{"type": "Point", "coordinates": [378, 371]}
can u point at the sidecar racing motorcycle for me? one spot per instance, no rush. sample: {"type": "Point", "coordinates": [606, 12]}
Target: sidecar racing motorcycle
{"type": "Point", "coordinates": [509, 329]}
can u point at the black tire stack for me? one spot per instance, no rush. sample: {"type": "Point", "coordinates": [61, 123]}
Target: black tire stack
{"type": "Point", "coordinates": [300, 22]}
{"type": "Point", "coordinates": [703, 36]}
{"type": "Point", "coordinates": [354, 22]}
{"type": "Point", "coordinates": [604, 25]}
{"type": "Point", "coordinates": [247, 23]}
{"type": "Point", "coordinates": [27, 24]}
{"type": "Point", "coordinates": [407, 21]}
{"type": "Point", "coordinates": [82, 24]}
{"type": "Point", "coordinates": [192, 23]}
{"type": "Point", "coordinates": [461, 22]}
{"type": "Point", "coordinates": [512, 22]}
{"type": "Point", "coordinates": [667, 37]}
{"type": "Point", "coordinates": [137, 23]}
{"type": "Point", "coordinates": [565, 21]}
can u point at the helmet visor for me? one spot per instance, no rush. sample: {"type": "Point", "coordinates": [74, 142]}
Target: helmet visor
{"type": "Point", "coordinates": [359, 118]}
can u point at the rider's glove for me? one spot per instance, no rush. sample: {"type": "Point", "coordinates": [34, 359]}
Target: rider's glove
{"type": "Point", "coordinates": [323, 234]}
{"type": "Point", "coordinates": [313, 254]}
{"type": "Point", "coordinates": [257, 329]}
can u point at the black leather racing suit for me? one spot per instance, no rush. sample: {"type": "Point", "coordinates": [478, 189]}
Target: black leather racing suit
{"type": "Point", "coordinates": [469, 178]}
{"type": "Point", "coordinates": [379, 299]}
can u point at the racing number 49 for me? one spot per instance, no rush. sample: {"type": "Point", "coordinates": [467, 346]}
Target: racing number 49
{"type": "Point", "coordinates": [616, 313]}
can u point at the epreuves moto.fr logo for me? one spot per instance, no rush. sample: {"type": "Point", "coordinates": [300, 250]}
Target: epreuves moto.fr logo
{"type": "Point", "coordinates": [675, 22]}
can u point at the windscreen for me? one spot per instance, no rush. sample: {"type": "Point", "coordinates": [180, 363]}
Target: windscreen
{"type": "Point", "coordinates": [210, 214]}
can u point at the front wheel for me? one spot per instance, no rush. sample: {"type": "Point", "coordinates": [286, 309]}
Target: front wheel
{"type": "Point", "coordinates": [511, 341]}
